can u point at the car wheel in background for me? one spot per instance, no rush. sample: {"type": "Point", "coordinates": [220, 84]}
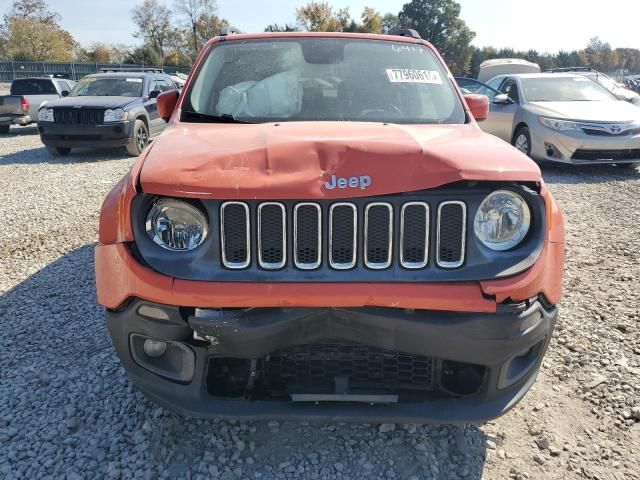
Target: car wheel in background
{"type": "Point", "coordinates": [59, 151]}
{"type": "Point", "coordinates": [139, 139]}
{"type": "Point", "coordinates": [4, 128]}
{"type": "Point", "coordinates": [522, 140]}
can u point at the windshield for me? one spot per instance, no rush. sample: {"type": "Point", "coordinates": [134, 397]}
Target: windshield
{"type": "Point", "coordinates": [108, 87]}
{"type": "Point", "coordinates": [564, 89]}
{"type": "Point", "coordinates": [323, 79]}
{"type": "Point", "coordinates": [33, 86]}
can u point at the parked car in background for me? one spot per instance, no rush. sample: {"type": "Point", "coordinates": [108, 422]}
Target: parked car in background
{"type": "Point", "coordinates": [113, 109]}
{"type": "Point", "coordinates": [564, 118]}
{"type": "Point", "coordinates": [179, 79]}
{"type": "Point", "coordinates": [617, 88]}
{"type": "Point", "coordinates": [26, 95]}
{"type": "Point", "coordinates": [324, 232]}
{"type": "Point", "coordinates": [501, 66]}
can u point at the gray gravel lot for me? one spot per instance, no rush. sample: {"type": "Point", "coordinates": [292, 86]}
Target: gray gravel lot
{"type": "Point", "coordinates": [67, 409]}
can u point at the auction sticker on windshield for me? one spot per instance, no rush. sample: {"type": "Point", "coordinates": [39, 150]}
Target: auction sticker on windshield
{"type": "Point", "coordinates": [407, 75]}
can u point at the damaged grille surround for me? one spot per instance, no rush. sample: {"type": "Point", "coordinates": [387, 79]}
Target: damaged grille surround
{"type": "Point", "coordinates": [410, 237]}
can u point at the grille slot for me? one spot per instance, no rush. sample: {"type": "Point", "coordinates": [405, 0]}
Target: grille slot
{"type": "Point", "coordinates": [272, 236]}
{"type": "Point", "coordinates": [623, 154]}
{"type": "Point", "coordinates": [77, 116]}
{"type": "Point", "coordinates": [378, 235]}
{"type": "Point", "coordinates": [234, 232]}
{"type": "Point", "coordinates": [307, 226]}
{"type": "Point", "coordinates": [318, 364]}
{"type": "Point", "coordinates": [452, 218]}
{"type": "Point", "coordinates": [414, 235]}
{"type": "Point", "coordinates": [343, 235]}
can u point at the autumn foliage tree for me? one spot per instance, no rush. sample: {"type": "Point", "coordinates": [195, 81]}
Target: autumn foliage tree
{"type": "Point", "coordinates": [30, 31]}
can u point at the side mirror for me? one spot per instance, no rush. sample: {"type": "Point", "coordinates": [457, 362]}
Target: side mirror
{"type": "Point", "coordinates": [64, 93]}
{"type": "Point", "coordinates": [478, 105]}
{"type": "Point", "coordinates": [502, 99]}
{"type": "Point", "coordinates": [166, 103]}
{"type": "Point", "coordinates": [154, 93]}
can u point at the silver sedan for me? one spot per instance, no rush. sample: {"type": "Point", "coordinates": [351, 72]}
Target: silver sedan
{"type": "Point", "coordinates": [564, 118]}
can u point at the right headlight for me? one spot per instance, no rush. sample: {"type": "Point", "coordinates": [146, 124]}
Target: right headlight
{"type": "Point", "coordinates": [502, 220]}
{"type": "Point", "coordinates": [116, 115]}
{"type": "Point", "coordinates": [176, 225]}
{"type": "Point", "coordinates": [45, 115]}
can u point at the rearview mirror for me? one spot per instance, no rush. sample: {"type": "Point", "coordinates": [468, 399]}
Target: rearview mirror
{"type": "Point", "coordinates": [166, 104]}
{"type": "Point", "coordinates": [478, 105]}
{"type": "Point", "coordinates": [502, 99]}
{"type": "Point", "coordinates": [154, 93]}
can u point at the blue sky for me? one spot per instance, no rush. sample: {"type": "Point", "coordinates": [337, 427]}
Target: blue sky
{"type": "Point", "coordinates": [545, 25]}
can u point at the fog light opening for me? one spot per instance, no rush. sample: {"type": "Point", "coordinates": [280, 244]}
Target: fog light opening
{"type": "Point", "coordinates": [552, 151]}
{"type": "Point", "coordinates": [460, 378]}
{"type": "Point", "coordinates": [154, 348]}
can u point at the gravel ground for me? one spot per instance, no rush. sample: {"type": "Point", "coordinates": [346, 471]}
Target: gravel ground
{"type": "Point", "coordinates": [67, 409]}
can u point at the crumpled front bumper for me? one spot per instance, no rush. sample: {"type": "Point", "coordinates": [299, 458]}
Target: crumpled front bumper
{"type": "Point", "coordinates": [510, 343]}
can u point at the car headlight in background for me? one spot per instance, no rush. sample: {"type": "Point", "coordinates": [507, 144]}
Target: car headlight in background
{"type": "Point", "coordinates": [116, 115]}
{"type": "Point", "coordinates": [560, 125]}
{"type": "Point", "coordinates": [502, 220]}
{"type": "Point", "coordinates": [45, 115]}
{"type": "Point", "coordinates": [176, 225]}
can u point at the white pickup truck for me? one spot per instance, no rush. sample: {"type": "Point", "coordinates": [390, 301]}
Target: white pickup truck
{"type": "Point", "coordinates": [26, 95]}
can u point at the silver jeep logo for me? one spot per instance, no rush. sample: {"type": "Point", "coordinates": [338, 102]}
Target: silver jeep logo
{"type": "Point", "coordinates": [363, 181]}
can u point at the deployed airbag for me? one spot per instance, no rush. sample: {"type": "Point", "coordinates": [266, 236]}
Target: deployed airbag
{"type": "Point", "coordinates": [276, 96]}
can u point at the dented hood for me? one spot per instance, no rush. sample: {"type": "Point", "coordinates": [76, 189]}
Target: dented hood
{"type": "Point", "coordinates": [305, 159]}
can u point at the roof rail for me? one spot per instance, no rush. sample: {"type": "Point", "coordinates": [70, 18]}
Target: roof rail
{"type": "Point", "coordinates": [570, 69]}
{"type": "Point", "coordinates": [230, 30]}
{"type": "Point", "coordinates": [131, 69]}
{"type": "Point", "coordinates": [406, 32]}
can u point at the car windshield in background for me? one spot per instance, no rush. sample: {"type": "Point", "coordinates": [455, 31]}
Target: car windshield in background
{"type": "Point", "coordinates": [564, 89]}
{"type": "Point", "coordinates": [108, 87]}
{"type": "Point", "coordinates": [30, 86]}
{"type": "Point", "coordinates": [322, 79]}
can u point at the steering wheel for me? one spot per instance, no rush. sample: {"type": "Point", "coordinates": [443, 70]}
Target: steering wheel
{"type": "Point", "coordinates": [391, 110]}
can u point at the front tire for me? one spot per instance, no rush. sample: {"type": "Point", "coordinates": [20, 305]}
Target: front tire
{"type": "Point", "coordinates": [522, 140]}
{"type": "Point", "coordinates": [139, 138]}
{"type": "Point", "coordinates": [59, 151]}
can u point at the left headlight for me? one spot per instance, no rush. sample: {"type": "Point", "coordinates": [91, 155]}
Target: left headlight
{"type": "Point", "coordinates": [115, 115]}
{"type": "Point", "coordinates": [502, 220]}
{"type": "Point", "coordinates": [560, 125]}
{"type": "Point", "coordinates": [176, 225]}
{"type": "Point", "coordinates": [45, 115]}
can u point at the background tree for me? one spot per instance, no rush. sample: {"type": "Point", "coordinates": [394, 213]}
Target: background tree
{"type": "Point", "coordinates": [30, 31]}
{"type": "Point", "coordinates": [275, 27]}
{"type": "Point", "coordinates": [439, 22]}
{"type": "Point", "coordinates": [153, 20]}
{"type": "Point", "coordinates": [371, 21]}
{"type": "Point", "coordinates": [320, 17]}
{"type": "Point", "coordinates": [198, 14]}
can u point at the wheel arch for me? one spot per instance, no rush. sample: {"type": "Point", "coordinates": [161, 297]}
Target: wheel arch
{"type": "Point", "coordinates": [518, 127]}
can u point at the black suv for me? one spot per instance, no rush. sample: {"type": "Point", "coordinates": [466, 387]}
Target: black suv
{"type": "Point", "coordinates": [111, 109]}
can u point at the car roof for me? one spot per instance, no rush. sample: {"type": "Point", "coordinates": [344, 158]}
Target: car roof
{"type": "Point", "coordinates": [123, 74]}
{"type": "Point", "coordinates": [538, 75]}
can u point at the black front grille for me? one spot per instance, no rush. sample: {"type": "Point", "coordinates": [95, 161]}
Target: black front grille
{"type": "Point", "coordinates": [77, 116]}
{"type": "Point", "coordinates": [378, 231]}
{"type": "Point", "coordinates": [451, 228]}
{"type": "Point", "coordinates": [613, 155]}
{"type": "Point", "coordinates": [415, 228]}
{"type": "Point", "coordinates": [605, 133]}
{"type": "Point", "coordinates": [307, 235]}
{"type": "Point", "coordinates": [235, 235]}
{"type": "Point", "coordinates": [317, 365]}
{"type": "Point", "coordinates": [272, 235]}
{"type": "Point", "coordinates": [342, 233]}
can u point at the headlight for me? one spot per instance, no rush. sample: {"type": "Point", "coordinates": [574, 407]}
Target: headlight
{"type": "Point", "coordinates": [176, 225]}
{"type": "Point", "coordinates": [502, 220]}
{"type": "Point", "coordinates": [559, 125]}
{"type": "Point", "coordinates": [45, 115]}
{"type": "Point", "coordinates": [117, 115]}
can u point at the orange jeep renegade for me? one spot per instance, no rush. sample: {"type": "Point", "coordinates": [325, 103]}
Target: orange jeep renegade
{"type": "Point", "coordinates": [323, 231]}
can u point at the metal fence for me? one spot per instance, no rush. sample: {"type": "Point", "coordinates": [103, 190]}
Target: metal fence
{"type": "Point", "coordinates": [12, 70]}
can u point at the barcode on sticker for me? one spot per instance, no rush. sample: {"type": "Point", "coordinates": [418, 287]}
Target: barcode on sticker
{"type": "Point", "coordinates": [407, 75]}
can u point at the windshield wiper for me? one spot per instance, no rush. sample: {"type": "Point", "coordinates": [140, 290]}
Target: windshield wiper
{"type": "Point", "coordinates": [224, 118]}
